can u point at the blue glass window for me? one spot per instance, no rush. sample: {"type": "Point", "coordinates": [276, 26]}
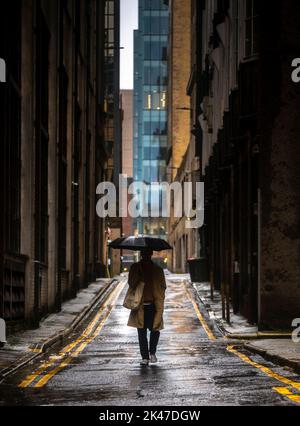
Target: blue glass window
{"type": "Point", "coordinates": [155, 5]}
{"type": "Point", "coordinates": [155, 128]}
{"type": "Point", "coordinates": [155, 75]}
{"type": "Point", "coordinates": [155, 50]}
{"type": "Point", "coordinates": [155, 153]}
{"type": "Point", "coordinates": [155, 100]}
{"type": "Point", "coordinates": [156, 26]}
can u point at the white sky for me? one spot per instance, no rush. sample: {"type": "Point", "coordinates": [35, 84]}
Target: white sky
{"type": "Point", "coordinates": [129, 22]}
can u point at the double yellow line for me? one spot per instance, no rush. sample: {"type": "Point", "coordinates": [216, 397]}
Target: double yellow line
{"type": "Point", "coordinates": [68, 353]}
{"type": "Point", "coordinates": [284, 391]}
{"type": "Point", "coordinates": [205, 326]}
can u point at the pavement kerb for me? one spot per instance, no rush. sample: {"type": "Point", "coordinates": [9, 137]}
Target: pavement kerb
{"type": "Point", "coordinates": [42, 347]}
{"type": "Point", "coordinates": [276, 359]}
{"type": "Point", "coordinates": [244, 340]}
{"type": "Point", "coordinates": [201, 304]}
{"type": "Point", "coordinates": [239, 336]}
{"type": "Point", "coordinates": [258, 336]}
{"type": "Point", "coordinates": [16, 366]}
{"type": "Point", "coordinates": [59, 337]}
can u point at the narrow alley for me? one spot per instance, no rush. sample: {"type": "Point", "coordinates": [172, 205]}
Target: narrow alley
{"type": "Point", "coordinates": [149, 169]}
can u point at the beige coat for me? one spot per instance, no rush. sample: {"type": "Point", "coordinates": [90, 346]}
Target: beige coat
{"type": "Point", "coordinates": [136, 318]}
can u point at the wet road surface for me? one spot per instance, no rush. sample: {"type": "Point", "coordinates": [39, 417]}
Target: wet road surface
{"type": "Point", "coordinates": [99, 364]}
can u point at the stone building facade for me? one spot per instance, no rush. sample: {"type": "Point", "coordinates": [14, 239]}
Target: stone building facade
{"type": "Point", "coordinates": [242, 142]}
{"type": "Point", "coordinates": [127, 150]}
{"type": "Point", "coordinates": [181, 143]}
{"type": "Point", "coordinates": [250, 155]}
{"type": "Point", "coordinates": [52, 153]}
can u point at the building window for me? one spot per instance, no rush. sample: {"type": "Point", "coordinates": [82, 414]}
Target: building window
{"type": "Point", "coordinates": [156, 25]}
{"type": "Point", "coordinates": [252, 22]}
{"type": "Point", "coordinates": [155, 128]}
{"type": "Point", "coordinates": [156, 153]}
{"type": "Point", "coordinates": [155, 50]}
{"type": "Point", "coordinates": [156, 5]}
{"type": "Point", "coordinates": [155, 76]}
{"type": "Point", "coordinates": [110, 67]}
{"type": "Point", "coordinates": [109, 28]}
{"type": "Point", "coordinates": [155, 100]}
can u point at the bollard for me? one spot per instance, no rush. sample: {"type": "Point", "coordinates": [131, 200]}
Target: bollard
{"type": "Point", "coordinates": [2, 332]}
{"type": "Point", "coordinates": [2, 71]}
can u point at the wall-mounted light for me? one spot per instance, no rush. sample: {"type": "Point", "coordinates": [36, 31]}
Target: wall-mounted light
{"type": "Point", "coordinates": [184, 109]}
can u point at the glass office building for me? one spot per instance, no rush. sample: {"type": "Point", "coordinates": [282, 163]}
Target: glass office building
{"type": "Point", "coordinates": [150, 102]}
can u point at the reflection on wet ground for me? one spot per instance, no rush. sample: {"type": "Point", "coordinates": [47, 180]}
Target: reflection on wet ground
{"type": "Point", "coordinates": [192, 369]}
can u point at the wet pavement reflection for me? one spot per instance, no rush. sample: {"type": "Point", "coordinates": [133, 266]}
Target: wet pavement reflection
{"type": "Point", "coordinates": [192, 369]}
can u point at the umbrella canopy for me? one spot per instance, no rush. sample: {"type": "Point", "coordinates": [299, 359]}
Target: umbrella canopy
{"type": "Point", "coordinates": [140, 243]}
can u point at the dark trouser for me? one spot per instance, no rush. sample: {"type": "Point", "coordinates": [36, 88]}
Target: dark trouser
{"type": "Point", "coordinates": [142, 332]}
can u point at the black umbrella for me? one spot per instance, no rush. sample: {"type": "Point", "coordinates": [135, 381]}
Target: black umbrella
{"type": "Point", "coordinates": [140, 243]}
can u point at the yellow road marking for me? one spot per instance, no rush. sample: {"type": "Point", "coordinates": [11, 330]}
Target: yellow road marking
{"type": "Point", "coordinates": [282, 390]}
{"type": "Point", "coordinates": [74, 354]}
{"type": "Point", "coordinates": [45, 379]}
{"type": "Point", "coordinates": [36, 351]}
{"type": "Point", "coordinates": [29, 379]}
{"type": "Point", "coordinates": [268, 372]}
{"type": "Point", "coordinates": [288, 394]}
{"type": "Point", "coordinates": [205, 326]}
{"type": "Point", "coordinates": [85, 335]}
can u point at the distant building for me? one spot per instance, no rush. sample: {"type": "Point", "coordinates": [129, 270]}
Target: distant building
{"type": "Point", "coordinates": [112, 122]}
{"type": "Point", "coordinates": [112, 134]}
{"type": "Point", "coordinates": [150, 102]}
{"type": "Point", "coordinates": [127, 132]}
{"type": "Point", "coordinates": [182, 149]}
{"type": "Point", "coordinates": [127, 256]}
{"type": "Point", "coordinates": [127, 149]}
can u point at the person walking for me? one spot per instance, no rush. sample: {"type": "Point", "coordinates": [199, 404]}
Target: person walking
{"type": "Point", "coordinates": [149, 315]}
